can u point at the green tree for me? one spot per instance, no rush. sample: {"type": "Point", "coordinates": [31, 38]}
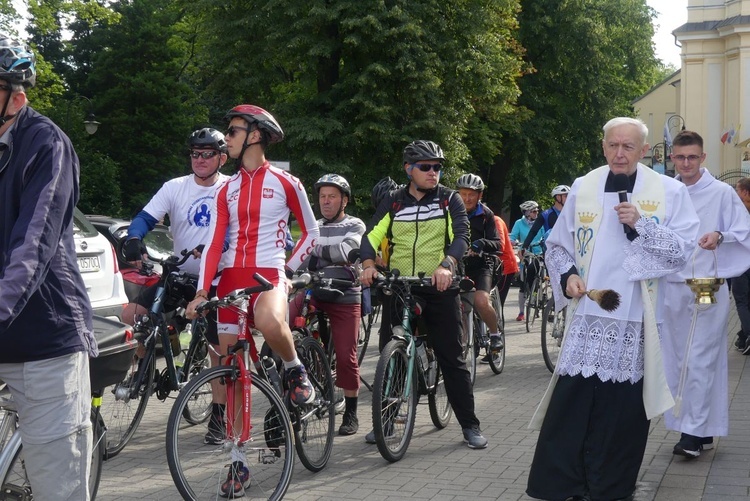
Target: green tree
{"type": "Point", "coordinates": [146, 107]}
{"type": "Point", "coordinates": [353, 81]}
{"type": "Point", "coordinates": [590, 59]}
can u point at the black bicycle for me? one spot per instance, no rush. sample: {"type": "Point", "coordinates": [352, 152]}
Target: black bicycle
{"type": "Point", "coordinates": [125, 404]}
{"type": "Point", "coordinates": [407, 368]}
{"type": "Point", "coordinates": [476, 335]}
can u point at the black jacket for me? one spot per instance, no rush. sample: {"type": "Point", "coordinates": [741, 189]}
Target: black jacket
{"type": "Point", "coordinates": [44, 309]}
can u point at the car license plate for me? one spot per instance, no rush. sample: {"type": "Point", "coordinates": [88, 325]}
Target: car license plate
{"type": "Point", "coordinates": [89, 264]}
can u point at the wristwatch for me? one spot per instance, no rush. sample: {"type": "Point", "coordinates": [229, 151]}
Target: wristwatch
{"type": "Point", "coordinates": [447, 264]}
{"type": "Point", "coordinates": [721, 238]}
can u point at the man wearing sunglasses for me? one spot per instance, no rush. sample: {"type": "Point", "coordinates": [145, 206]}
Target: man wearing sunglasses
{"type": "Point", "coordinates": [428, 231]}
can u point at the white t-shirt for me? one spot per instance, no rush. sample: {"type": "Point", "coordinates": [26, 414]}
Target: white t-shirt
{"type": "Point", "coordinates": [189, 207]}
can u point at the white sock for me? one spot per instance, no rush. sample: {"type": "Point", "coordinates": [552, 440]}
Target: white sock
{"type": "Point", "coordinates": [292, 363]}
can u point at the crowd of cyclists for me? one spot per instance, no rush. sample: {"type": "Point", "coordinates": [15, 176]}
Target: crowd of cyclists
{"type": "Point", "coordinates": [420, 226]}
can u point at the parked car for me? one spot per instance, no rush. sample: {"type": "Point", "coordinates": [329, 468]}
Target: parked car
{"type": "Point", "coordinates": [99, 268]}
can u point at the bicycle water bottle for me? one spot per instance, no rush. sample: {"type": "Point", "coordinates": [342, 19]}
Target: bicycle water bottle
{"type": "Point", "coordinates": [184, 343]}
{"type": "Point", "coordinates": [432, 368]}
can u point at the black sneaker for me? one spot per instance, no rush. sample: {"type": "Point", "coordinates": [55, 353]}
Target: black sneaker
{"type": "Point", "coordinates": [496, 343]}
{"type": "Point", "coordinates": [740, 341]}
{"type": "Point", "coordinates": [215, 433]}
{"type": "Point", "coordinates": [707, 443]}
{"type": "Point", "coordinates": [746, 349]}
{"type": "Point", "coordinates": [301, 390]}
{"type": "Point", "coordinates": [485, 359]}
{"type": "Point", "coordinates": [474, 438]}
{"type": "Point", "coordinates": [349, 424]}
{"type": "Point", "coordinates": [688, 446]}
{"type": "Point", "coordinates": [370, 438]}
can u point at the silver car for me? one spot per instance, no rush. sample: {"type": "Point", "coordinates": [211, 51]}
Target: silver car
{"type": "Point", "coordinates": [99, 269]}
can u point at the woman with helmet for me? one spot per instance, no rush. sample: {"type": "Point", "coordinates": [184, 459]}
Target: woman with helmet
{"type": "Point", "coordinates": [340, 233]}
{"type": "Point", "coordinates": [548, 217]}
{"type": "Point", "coordinates": [518, 234]}
{"type": "Point", "coordinates": [428, 231]}
{"type": "Point", "coordinates": [252, 210]}
{"type": "Point", "coordinates": [481, 261]}
{"type": "Point", "coordinates": [46, 330]}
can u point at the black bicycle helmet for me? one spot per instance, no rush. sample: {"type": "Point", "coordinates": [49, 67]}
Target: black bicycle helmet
{"type": "Point", "coordinates": [336, 181]}
{"type": "Point", "coordinates": [471, 182]}
{"type": "Point", "coordinates": [422, 150]}
{"type": "Point", "coordinates": [208, 138]}
{"type": "Point", "coordinates": [381, 189]}
{"type": "Point", "coordinates": [255, 115]}
{"type": "Point", "coordinates": [17, 62]}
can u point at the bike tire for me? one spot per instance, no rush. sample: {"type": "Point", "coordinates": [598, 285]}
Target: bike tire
{"type": "Point", "coordinates": [552, 332]}
{"type": "Point", "coordinates": [198, 470]}
{"type": "Point", "coordinates": [365, 328]}
{"type": "Point", "coordinates": [123, 407]}
{"type": "Point", "coordinates": [393, 415]}
{"type": "Point", "coordinates": [314, 423]}
{"type": "Point", "coordinates": [197, 360]}
{"type": "Point", "coordinates": [339, 403]}
{"type": "Point", "coordinates": [437, 400]}
{"type": "Point", "coordinates": [497, 359]}
{"type": "Point", "coordinates": [531, 304]}
{"type": "Point", "coordinates": [16, 485]}
{"type": "Point", "coordinates": [470, 347]}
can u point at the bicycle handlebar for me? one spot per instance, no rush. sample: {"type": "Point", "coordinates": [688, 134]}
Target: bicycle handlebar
{"type": "Point", "coordinates": [233, 296]}
{"type": "Point", "coordinates": [316, 280]}
{"type": "Point", "coordinates": [171, 261]}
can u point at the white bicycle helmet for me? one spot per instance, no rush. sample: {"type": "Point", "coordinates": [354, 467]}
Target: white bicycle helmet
{"type": "Point", "coordinates": [560, 189]}
{"type": "Point", "coordinates": [529, 205]}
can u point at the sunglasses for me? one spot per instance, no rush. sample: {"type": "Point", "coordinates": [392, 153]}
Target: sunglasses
{"type": "Point", "coordinates": [205, 154]}
{"type": "Point", "coordinates": [233, 129]}
{"type": "Point", "coordinates": [427, 167]}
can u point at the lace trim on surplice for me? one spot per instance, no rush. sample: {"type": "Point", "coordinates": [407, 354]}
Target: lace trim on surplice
{"type": "Point", "coordinates": [609, 348]}
{"type": "Point", "coordinates": [655, 252]}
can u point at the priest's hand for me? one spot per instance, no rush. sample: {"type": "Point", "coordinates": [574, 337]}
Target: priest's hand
{"type": "Point", "coordinates": [710, 241]}
{"type": "Point", "coordinates": [575, 287]}
{"type": "Point", "coordinates": [627, 213]}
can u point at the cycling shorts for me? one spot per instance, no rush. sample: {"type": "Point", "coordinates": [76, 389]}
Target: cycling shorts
{"type": "Point", "coordinates": [240, 278]}
{"type": "Point", "coordinates": [482, 274]}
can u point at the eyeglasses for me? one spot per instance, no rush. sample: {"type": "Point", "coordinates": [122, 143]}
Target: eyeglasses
{"type": "Point", "coordinates": [233, 129]}
{"type": "Point", "coordinates": [689, 158]}
{"type": "Point", "coordinates": [534, 210]}
{"type": "Point", "coordinates": [205, 154]}
{"type": "Point", "coordinates": [427, 167]}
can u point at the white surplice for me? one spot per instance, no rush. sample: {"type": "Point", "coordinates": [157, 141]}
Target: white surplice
{"type": "Point", "coordinates": [703, 409]}
{"type": "Point", "coordinates": [609, 345]}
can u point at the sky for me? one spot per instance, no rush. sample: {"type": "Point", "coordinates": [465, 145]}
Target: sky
{"type": "Point", "coordinates": [671, 14]}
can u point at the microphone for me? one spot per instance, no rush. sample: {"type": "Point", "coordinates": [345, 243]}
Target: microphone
{"type": "Point", "coordinates": [620, 183]}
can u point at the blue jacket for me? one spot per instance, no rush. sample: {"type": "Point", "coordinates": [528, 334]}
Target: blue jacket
{"type": "Point", "coordinates": [44, 309]}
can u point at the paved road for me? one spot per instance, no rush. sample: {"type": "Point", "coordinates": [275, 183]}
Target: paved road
{"type": "Point", "coordinates": [438, 465]}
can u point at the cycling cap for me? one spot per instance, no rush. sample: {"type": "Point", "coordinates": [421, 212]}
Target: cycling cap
{"type": "Point", "coordinates": [422, 150]}
{"type": "Point", "coordinates": [529, 205]}
{"type": "Point", "coordinates": [17, 62]}
{"type": "Point", "coordinates": [255, 115]}
{"type": "Point", "coordinates": [560, 189]}
{"type": "Point", "coordinates": [381, 189]}
{"type": "Point", "coordinates": [208, 138]}
{"type": "Point", "coordinates": [471, 182]}
{"type": "Point", "coordinates": [334, 180]}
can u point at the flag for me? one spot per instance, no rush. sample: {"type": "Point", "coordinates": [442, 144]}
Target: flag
{"type": "Point", "coordinates": [724, 137]}
{"type": "Point", "coordinates": [735, 134]}
{"type": "Point", "coordinates": [667, 134]}
{"type": "Point", "coordinates": [731, 134]}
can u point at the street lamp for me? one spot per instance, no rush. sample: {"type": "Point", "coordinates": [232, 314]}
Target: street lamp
{"type": "Point", "coordinates": [90, 123]}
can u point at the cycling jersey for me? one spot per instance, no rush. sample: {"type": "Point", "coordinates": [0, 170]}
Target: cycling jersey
{"type": "Point", "coordinates": [255, 207]}
{"type": "Point", "coordinates": [421, 232]}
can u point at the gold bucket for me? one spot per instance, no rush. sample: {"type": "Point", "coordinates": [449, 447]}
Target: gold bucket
{"type": "Point", "coordinates": [705, 288]}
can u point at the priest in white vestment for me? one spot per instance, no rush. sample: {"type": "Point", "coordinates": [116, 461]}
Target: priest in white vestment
{"type": "Point", "coordinates": [695, 339]}
{"type": "Point", "coordinates": [609, 380]}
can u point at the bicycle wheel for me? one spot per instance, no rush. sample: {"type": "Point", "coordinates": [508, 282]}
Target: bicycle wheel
{"type": "Point", "coordinates": [339, 403]}
{"type": "Point", "coordinates": [394, 401]}
{"type": "Point", "coordinates": [314, 423]}
{"type": "Point", "coordinates": [553, 328]}
{"type": "Point", "coordinates": [123, 405]}
{"type": "Point", "coordinates": [197, 360]}
{"type": "Point", "coordinates": [437, 400]}
{"type": "Point", "coordinates": [365, 327]}
{"type": "Point", "coordinates": [532, 304]}
{"type": "Point", "coordinates": [497, 358]}
{"type": "Point", "coordinates": [469, 340]}
{"type": "Point", "coordinates": [198, 470]}
{"type": "Point", "coordinates": [16, 484]}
